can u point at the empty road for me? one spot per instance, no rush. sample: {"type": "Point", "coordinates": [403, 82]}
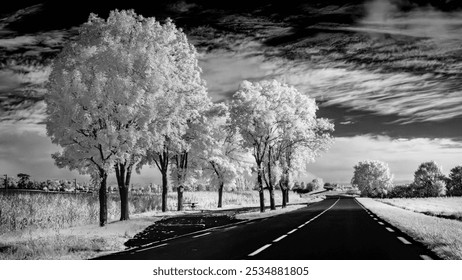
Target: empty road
{"type": "Point", "coordinates": [333, 229]}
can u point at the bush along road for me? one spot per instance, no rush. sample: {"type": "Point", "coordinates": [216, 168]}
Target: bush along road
{"type": "Point", "coordinates": [337, 228]}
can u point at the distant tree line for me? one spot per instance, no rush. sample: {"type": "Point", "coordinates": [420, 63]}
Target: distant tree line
{"type": "Point", "coordinates": [373, 178]}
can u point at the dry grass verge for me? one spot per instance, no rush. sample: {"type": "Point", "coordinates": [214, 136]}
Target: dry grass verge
{"type": "Point", "coordinates": [442, 236]}
{"type": "Point", "coordinates": [443, 207]}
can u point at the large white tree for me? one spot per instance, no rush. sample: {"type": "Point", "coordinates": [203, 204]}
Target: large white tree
{"type": "Point", "coordinates": [183, 101]}
{"type": "Point", "coordinates": [274, 118]}
{"type": "Point", "coordinates": [219, 151]}
{"type": "Point", "coordinates": [117, 90]}
{"type": "Point", "coordinates": [372, 178]}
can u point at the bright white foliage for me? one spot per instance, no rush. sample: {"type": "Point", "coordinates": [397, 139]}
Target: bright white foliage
{"type": "Point", "coordinates": [276, 115]}
{"type": "Point", "coordinates": [118, 88]}
{"type": "Point", "coordinates": [218, 150]}
{"type": "Point", "coordinates": [372, 178]}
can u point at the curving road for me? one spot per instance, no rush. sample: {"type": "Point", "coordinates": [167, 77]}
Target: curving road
{"type": "Point", "coordinates": [333, 229]}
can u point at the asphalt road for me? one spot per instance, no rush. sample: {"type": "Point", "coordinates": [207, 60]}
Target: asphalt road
{"type": "Point", "coordinates": [333, 229]}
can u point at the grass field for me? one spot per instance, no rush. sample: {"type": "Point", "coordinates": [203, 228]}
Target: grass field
{"type": "Point", "coordinates": [21, 211]}
{"type": "Point", "coordinates": [444, 207]}
{"type": "Point", "coordinates": [443, 236]}
{"type": "Point", "coordinates": [37, 225]}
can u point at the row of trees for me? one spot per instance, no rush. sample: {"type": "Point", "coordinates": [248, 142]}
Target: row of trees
{"type": "Point", "coordinates": [24, 182]}
{"type": "Point", "coordinates": [373, 178]}
{"type": "Point", "coordinates": [128, 92]}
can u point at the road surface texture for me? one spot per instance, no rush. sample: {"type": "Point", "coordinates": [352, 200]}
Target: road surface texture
{"type": "Point", "coordinates": [336, 228]}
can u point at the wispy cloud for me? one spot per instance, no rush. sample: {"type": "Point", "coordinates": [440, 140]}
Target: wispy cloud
{"type": "Point", "coordinates": [412, 97]}
{"type": "Point", "coordinates": [385, 16]}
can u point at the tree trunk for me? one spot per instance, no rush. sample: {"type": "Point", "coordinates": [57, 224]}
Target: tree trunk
{"type": "Point", "coordinates": [283, 191]}
{"type": "Point", "coordinates": [103, 199]}
{"type": "Point", "coordinates": [180, 198]}
{"type": "Point", "coordinates": [272, 202]}
{"type": "Point", "coordinates": [287, 195]}
{"type": "Point", "coordinates": [124, 212]}
{"type": "Point", "coordinates": [123, 176]}
{"type": "Point", "coordinates": [164, 190]}
{"type": "Point", "coordinates": [220, 195]}
{"type": "Point", "coordinates": [260, 188]}
{"type": "Point", "coordinates": [270, 182]}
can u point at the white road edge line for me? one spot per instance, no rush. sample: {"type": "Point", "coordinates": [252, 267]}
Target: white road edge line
{"type": "Point", "coordinates": [149, 248]}
{"type": "Point", "coordinates": [389, 229]}
{"type": "Point", "coordinates": [292, 231]}
{"type": "Point", "coordinates": [425, 257]}
{"type": "Point", "coordinates": [300, 226]}
{"type": "Point", "coordinates": [404, 240]}
{"type": "Point", "coordinates": [200, 235]}
{"type": "Point", "coordinates": [259, 250]}
{"type": "Point", "coordinates": [280, 238]}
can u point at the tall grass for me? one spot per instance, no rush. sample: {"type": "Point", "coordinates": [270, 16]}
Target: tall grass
{"type": "Point", "coordinates": [21, 211]}
{"type": "Point", "coordinates": [38, 210]}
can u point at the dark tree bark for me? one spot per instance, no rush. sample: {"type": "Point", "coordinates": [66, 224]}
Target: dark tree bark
{"type": "Point", "coordinates": [222, 183]}
{"type": "Point", "coordinates": [123, 175]}
{"type": "Point", "coordinates": [181, 161]}
{"type": "Point", "coordinates": [161, 160]}
{"type": "Point", "coordinates": [282, 185]}
{"type": "Point", "coordinates": [260, 187]}
{"type": "Point", "coordinates": [164, 190]}
{"type": "Point", "coordinates": [220, 195]}
{"type": "Point", "coordinates": [103, 198]}
{"type": "Point", "coordinates": [180, 198]}
{"type": "Point", "coordinates": [270, 182]}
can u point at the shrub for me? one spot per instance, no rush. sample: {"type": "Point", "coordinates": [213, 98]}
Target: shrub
{"type": "Point", "coordinates": [401, 191]}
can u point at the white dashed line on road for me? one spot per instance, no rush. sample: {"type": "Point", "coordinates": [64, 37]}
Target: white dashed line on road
{"type": "Point", "coordinates": [149, 248]}
{"type": "Point", "coordinates": [292, 231]}
{"type": "Point", "coordinates": [404, 240]}
{"type": "Point", "coordinates": [200, 235]}
{"type": "Point", "coordinates": [280, 238]}
{"type": "Point", "coordinates": [380, 223]}
{"type": "Point", "coordinates": [389, 229]}
{"type": "Point", "coordinates": [259, 250]}
{"type": "Point", "coordinates": [425, 257]}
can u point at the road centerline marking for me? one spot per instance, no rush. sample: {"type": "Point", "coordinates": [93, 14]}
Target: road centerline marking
{"type": "Point", "coordinates": [380, 223]}
{"type": "Point", "coordinates": [149, 248]}
{"type": "Point", "coordinates": [389, 229]}
{"type": "Point", "coordinates": [259, 250]}
{"type": "Point", "coordinates": [280, 238]}
{"type": "Point", "coordinates": [404, 240]}
{"type": "Point", "coordinates": [292, 231]}
{"type": "Point", "coordinates": [200, 235]}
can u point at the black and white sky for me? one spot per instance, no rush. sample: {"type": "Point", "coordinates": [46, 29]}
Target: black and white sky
{"type": "Point", "coordinates": [388, 73]}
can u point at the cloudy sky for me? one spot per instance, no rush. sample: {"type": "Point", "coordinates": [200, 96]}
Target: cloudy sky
{"type": "Point", "coordinates": [388, 73]}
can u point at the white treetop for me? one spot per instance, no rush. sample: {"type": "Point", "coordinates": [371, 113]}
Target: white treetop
{"type": "Point", "coordinates": [372, 178]}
